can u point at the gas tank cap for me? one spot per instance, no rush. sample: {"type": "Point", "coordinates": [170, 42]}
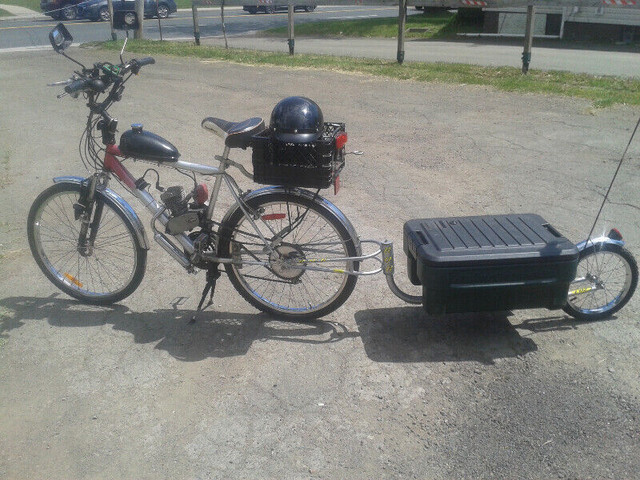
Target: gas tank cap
{"type": "Point", "coordinates": [136, 127]}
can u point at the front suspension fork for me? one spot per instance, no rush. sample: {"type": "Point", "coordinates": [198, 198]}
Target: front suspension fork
{"type": "Point", "coordinates": [83, 211]}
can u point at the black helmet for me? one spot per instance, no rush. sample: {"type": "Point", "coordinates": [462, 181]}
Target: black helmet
{"type": "Point", "coordinates": [297, 120]}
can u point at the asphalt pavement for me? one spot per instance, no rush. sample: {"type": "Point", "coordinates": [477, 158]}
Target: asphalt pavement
{"type": "Point", "coordinates": [376, 390]}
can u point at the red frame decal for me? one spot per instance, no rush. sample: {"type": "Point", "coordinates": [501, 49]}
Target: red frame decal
{"type": "Point", "coordinates": [112, 164]}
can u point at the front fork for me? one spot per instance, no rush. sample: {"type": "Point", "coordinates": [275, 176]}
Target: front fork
{"type": "Point", "coordinates": [594, 282]}
{"type": "Point", "coordinates": [88, 215]}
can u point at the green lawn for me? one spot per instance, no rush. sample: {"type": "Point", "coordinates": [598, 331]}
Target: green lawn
{"type": "Point", "coordinates": [32, 4]}
{"type": "Point", "coordinates": [4, 13]}
{"type": "Point", "coordinates": [433, 25]}
{"type": "Point", "coordinates": [371, 27]}
{"type": "Point", "coordinates": [602, 91]}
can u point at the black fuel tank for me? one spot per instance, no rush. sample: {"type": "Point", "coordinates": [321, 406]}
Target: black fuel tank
{"type": "Point", "coordinates": [144, 145]}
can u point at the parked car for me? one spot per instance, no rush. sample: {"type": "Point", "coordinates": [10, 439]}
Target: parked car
{"type": "Point", "coordinates": [60, 9]}
{"type": "Point", "coordinates": [272, 8]}
{"type": "Point", "coordinates": [97, 10]}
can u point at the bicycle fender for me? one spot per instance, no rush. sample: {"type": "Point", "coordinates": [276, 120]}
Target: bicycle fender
{"type": "Point", "coordinates": [597, 241]}
{"type": "Point", "coordinates": [119, 203]}
{"type": "Point", "coordinates": [309, 195]}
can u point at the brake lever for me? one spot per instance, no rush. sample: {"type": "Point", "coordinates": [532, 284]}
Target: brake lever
{"type": "Point", "coordinates": [65, 82]}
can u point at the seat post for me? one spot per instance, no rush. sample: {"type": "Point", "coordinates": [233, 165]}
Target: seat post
{"type": "Point", "coordinates": [216, 186]}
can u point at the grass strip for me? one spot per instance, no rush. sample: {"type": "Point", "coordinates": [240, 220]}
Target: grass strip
{"type": "Point", "coordinates": [603, 91]}
{"type": "Point", "coordinates": [435, 25]}
{"type": "Point", "coordinates": [31, 4]}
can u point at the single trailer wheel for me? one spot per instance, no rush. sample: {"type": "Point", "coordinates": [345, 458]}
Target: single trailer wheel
{"type": "Point", "coordinates": [606, 279]}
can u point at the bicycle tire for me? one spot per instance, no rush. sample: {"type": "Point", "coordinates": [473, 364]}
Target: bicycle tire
{"type": "Point", "coordinates": [91, 278]}
{"type": "Point", "coordinates": [606, 279]}
{"type": "Point", "coordinates": [282, 289]}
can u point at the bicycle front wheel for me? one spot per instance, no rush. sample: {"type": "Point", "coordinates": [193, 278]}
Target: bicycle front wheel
{"type": "Point", "coordinates": [104, 266]}
{"type": "Point", "coordinates": [605, 281]}
{"type": "Point", "coordinates": [303, 234]}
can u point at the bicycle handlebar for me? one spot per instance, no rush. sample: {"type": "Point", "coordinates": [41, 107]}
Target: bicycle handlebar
{"type": "Point", "coordinates": [88, 80]}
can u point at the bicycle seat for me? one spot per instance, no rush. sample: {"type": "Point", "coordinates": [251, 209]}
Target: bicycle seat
{"type": "Point", "coordinates": [235, 134]}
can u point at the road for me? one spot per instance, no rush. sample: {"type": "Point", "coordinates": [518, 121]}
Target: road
{"type": "Point", "coordinates": [33, 32]}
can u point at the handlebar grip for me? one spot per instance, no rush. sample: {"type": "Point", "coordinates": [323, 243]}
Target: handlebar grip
{"type": "Point", "coordinates": [146, 61]}
{"type": "Point", "coordinates": [77, 85]}
{"type": "Point", "coordinates": [85, 84]}
{"type": "Point", "coordinates": [137, 64]}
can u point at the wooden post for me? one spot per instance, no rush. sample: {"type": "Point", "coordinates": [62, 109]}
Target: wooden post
{"type": "Point", "coordinates": [292, 39]}
{"type": "Point", "coordinates": [224, 28]}
{"type": "Point", "coordinates": [113, 32]}
{"type": "Point", "coordinates": [139, 6]}
{"type": "Point", "coordinates": [140, 15]}
{"type": "Point", "coordinates": [196, 27]}
{"type": "Point", "coordinates": [528, 38]}
{"type": "Point", "coordinates": [402, 22]}
{"type": "Point", "coordinates": [159, 22]}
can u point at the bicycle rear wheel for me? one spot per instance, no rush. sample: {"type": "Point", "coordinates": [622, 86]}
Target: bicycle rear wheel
{"type": "Point", "coordinates": [110, 264]}
{"type": "Point", "coordinates": [303, 232]}
{"type": "Point", "coordinates": [605, 281]}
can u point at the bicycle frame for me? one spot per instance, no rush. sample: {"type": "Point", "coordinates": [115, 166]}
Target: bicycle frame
{"type": "Point", "coordinates": [113, 165]}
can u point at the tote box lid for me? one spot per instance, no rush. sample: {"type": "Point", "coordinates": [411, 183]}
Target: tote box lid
{"type": "Point", "coordinates": [487, 239]}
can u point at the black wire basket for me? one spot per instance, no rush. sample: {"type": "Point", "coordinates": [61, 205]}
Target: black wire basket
{"type": "Point", "coordinates": [311, 165]}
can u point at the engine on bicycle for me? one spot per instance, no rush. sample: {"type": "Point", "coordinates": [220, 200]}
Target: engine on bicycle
{"type": "Point", "coordinates": [186, 211]}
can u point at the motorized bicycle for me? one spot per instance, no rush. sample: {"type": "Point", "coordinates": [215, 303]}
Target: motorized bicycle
{"type": "Point", "coordinates": [287, 250]}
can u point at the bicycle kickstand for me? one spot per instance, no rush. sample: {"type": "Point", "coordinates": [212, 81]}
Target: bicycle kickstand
{"type": "Point", "coordinates": [213, 274]}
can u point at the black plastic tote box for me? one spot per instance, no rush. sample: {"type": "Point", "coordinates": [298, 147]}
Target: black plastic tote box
{"type": "Point", "coordinates": [489, 263]}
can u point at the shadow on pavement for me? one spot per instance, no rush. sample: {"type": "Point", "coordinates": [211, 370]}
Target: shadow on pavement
{"type": "Point", "coordinates": [409, 334]}
{"type": "Point", "coordinates": [214, 334]}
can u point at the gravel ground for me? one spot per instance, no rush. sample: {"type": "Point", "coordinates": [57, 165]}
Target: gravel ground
{"type": "Point", "coordinates": [377, 389]}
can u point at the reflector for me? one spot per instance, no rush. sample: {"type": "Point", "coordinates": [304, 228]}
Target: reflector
{"type": "Point", "coordinates": [273, 216]}
{"type": "Point", "coordinates": [341, 140]}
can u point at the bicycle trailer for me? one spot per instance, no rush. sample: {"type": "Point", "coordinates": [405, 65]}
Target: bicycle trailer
{"type": "Point", "coordinates": [489, 263]}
